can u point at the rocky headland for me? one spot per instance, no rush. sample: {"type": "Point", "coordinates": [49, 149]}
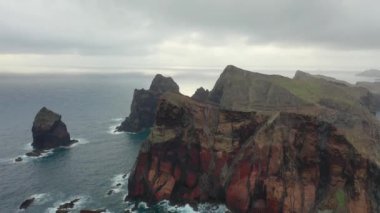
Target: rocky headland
{"type": "Point", "coordinates": [144, 104]}
{"type": "Point", "coordinates": [264, 143]}
{"type": "Point", "coordinates": [375, 73]}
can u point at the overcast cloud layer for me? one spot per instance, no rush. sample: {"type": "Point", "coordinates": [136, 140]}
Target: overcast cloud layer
{"type": "Point", "coordinates": [285, 34]}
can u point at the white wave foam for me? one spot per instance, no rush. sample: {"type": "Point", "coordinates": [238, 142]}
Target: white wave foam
{"type": "Point", "coordinates": [117, 119]}
{"type": "Point", "coordinates": [45, 153]}
{"type": "Point", "coordinates": [28, 147]}
{"type": "Point", "coordinates": [118, 182]}
{"type": "Point", "coordinates": [165, 204]}
{"type": "Point", "coordinates": [26, 158]}
{"type": "Point", "coordinates": [77, 205]}
{"type": "Point", "coordinates": [7, 160]}
{"type": "Point", "coordinates": [81, 141]}
{"type": "Point", "coordinates": [112, 130]}
{"type": "Point", "coordinates": [41, 198]}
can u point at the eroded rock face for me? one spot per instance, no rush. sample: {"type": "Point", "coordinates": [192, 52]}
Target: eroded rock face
{"type": "Point", "coordinates": [253, 162]}
{"type": "Point", "coordinates": [49, 131]}
{"type": "Point", "coordinates": [144, 104]}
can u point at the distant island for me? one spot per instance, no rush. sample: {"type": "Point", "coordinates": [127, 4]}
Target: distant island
{"type": "Point", "coordinates": [370, 73]}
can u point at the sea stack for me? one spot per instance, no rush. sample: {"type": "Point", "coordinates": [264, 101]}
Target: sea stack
{"type": "Point", "coordinates": [49, 131]}
{"type": "Point", "coordinates": [144, 104]}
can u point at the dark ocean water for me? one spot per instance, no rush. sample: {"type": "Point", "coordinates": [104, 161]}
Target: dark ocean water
{"type": "Point", "coordinates": [91, 106]}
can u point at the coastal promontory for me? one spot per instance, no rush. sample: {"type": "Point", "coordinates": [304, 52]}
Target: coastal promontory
{"type": "Point", "coordinates": [144, 104]}
{"type": "Point", "coordinates": [264, 144]}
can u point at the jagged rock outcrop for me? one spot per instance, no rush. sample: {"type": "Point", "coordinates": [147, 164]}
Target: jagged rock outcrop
{"type": "Point", "coordinates": [253, 161]}
{"type": "Point", "coordinates": [49, 131]}
{"type": "Point", "coordinates": [144, 104]}
{"type": "Point", "coordinates": [27, 203]}
{"type": "Point", "coordinates": [201, 95]}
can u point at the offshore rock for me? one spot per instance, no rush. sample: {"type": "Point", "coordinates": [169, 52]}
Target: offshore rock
{"type": "Point", "coordinates": [27, 203]}
{"type": "Point", "coordinates": [144, 104]}
{"type": "Point", "coordinates": [49, 131]}
{"type": "Point", "coordinates": [253, 161]}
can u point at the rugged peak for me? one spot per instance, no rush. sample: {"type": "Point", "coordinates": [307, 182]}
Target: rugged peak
{"type": "Point", "coordinates": [45, 118]}
{"type": "Point", "coordinates": [242, 90]}
{"type": "Point", "coordinates": [144, 103]}
{"type": "Point", "coordinates": [301, 74]}
{"type": "Point", "coordinates": [234, 71]}
{"type": "Point", "coordinates": [161, 84]}
{"type": "Point", "coordinates": [231, 68]}
{"type": "Point", "coordinates": [201, 94]}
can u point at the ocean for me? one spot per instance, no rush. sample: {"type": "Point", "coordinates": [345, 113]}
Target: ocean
{"type": "Point", "coordinates": [91, 105]}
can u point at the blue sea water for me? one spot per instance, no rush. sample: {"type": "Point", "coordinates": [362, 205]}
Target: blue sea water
{"type": "Point", "coordinates": [91, 105]}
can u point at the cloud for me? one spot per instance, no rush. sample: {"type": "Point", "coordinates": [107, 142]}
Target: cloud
{"type": "Point", "coordinates": [190, 33]}
{"type": "Point", "coordinates": [348, 24]}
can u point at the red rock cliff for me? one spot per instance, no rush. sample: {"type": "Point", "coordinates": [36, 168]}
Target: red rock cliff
{"type": "Point", "coordinates": [253, 162]}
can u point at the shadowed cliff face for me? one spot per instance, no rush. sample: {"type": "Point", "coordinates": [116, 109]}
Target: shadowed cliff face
{"type": "Point", "coordinates": [144, 104]}
{"type": "Point", "coordinates": [253, 162]}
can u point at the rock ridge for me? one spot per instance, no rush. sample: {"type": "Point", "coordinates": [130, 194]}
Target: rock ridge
{"type": "Point", "coordinates": [252, 161]}
{"type": "Point", "coordinates": [144, 104]}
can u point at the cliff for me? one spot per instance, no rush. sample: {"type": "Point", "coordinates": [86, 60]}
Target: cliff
{"type": "Point", "coordinates": [144, 104]}
{"type": "Point", "coordinates": [264, 143]}
{"type": "Point", "coordinates": [349, 108]}
{"type": "Point", "coordinates": [49, 131]}
{"type": "Point", "coordinates": [252, 161]}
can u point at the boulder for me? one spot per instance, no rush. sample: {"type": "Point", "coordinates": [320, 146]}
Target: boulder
{"type": "Point", "coordinates": [144, 104]}
{"type": "Point", "coordinates": [49, 131]}
{"type": "Point", "coordinates": [66, 207]}
{"type": "Point", "coordinates": [26, 203]}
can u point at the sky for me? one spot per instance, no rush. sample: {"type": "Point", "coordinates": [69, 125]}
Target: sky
{"type": "Point", "coordinates": [174, 35]}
